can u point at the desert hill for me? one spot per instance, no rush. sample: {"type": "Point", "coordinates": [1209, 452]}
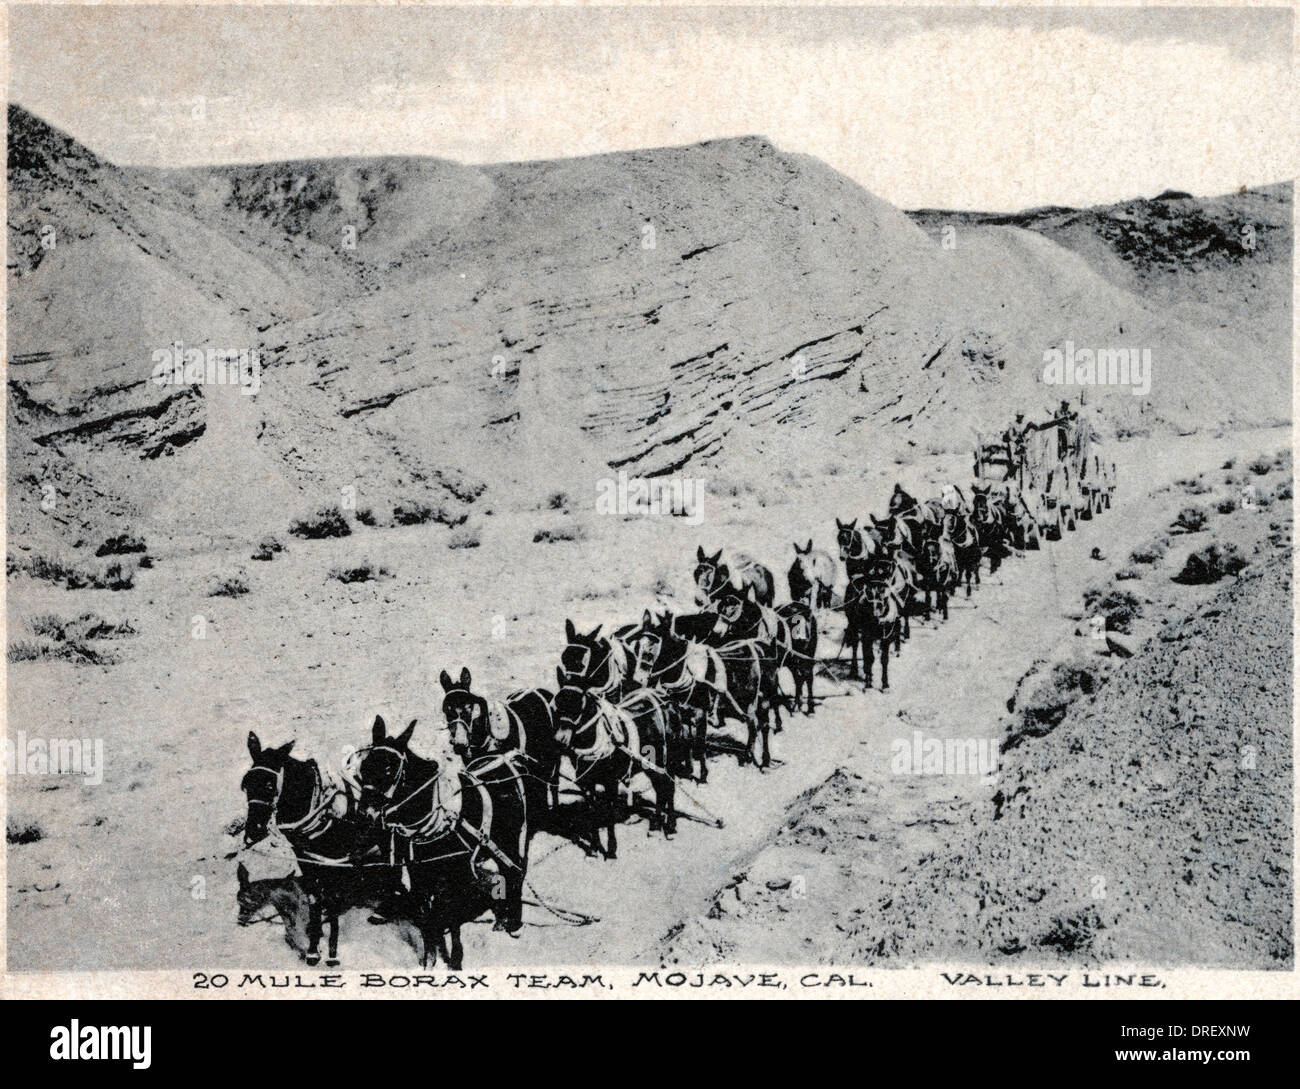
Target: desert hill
{"type": "Point", "coordinates": [435, 331]}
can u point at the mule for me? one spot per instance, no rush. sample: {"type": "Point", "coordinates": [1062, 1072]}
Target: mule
{"type": "Point", "coordinates": [521, 723]}
{"type": "Point", "coordinates": [938, 574]}
{"type": "Point", "coordinates": [711, 576]}
{"type": "Point", "coordinates": [989, 521]}
{"type": "Point", "coordinates": [811, 577]}
{"type": "Point", "coordinates": [339, 860]}
{"type": "Point", "coordinates": [461, 831]}
{"type": "Point", "coordinates": [800, 656]}
{"type": "Point", "coordinates": [609, 744]}
{"type": "Point", "coordinates": [595, 661]}
{"type": "Point", "coordinates": [871, 614]}
{"type": "Point", "coordinates": [965, 540]}
{"type": "Point", "coordinates": [687, 671]}
{"type": "Point", "coordinates": [743, 623]}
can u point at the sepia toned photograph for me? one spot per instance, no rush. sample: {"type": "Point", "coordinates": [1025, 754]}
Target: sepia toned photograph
{"type": "Point", "coordinates": [649, 500]}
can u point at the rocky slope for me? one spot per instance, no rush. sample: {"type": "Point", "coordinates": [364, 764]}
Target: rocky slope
{"type": "Point", "coordinates": [1142, 810]}
{"type": "Point", "coordinates": [434, 331]}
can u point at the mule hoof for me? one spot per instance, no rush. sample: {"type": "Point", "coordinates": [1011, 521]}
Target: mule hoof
{"type": "Point", "coordinates": [332, 962]}
{"type": "Point", "coordinates": [312, 959]}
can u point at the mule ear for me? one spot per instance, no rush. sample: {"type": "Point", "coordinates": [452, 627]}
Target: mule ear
{"type": "Point", "coordinates": [570, 632]}
{"type": "Point", "coordinates": [699, 554]}
{"type": "Point", "coordinates": [749, 591]}
{"type": "Point", "coordinates": [716, 556]}
{"type": "Point", "coordinates": [595, 631]}
{"type": "Point", "coordinates": [286, 748]}
{"type": "Point", "coordinates": [851, 525]}
{"type": "Point", "coordinates": [444, 679]}
{"type": "Point", "coordinates": [241, 875]}
{"type": "Point", "coordinates": [646, 619]}
{"type": "Point", "coordinates": [464, 676]}
{"type": "Point", "coordinates": [404, 738]}
{"type": "Point", "coordinates": [254, 745]}
{"type": "Point", "coordinates": [808, 547]}
{"type": "Point", "coordinates": [378, 731]}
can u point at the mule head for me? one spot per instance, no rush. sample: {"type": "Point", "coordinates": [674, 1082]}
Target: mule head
{"type": "Point", "coordinates": [731, 601]}
{"type": "Point", "coordinates": [585, 659]}
{"type": "Point", "coordinates": [846, 536]}
{"type": "Point", "coordinates": [382, 767]}
{"type": "Point", "coordinates": [571, 710]}
{"type": "Point", "coordinates": [710, 573]}
{"type": "Point", "coordinates": [262, 784]}
{"type": "Point", "coordinates": [798, 580]}
{"type": "Point", "coordinates": [465, 714]}
{"type": "Point", "coordinates": [645, 641]}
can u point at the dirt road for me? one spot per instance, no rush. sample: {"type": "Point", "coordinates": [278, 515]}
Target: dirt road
{"type": "Point", "coordinates": [146, 846]}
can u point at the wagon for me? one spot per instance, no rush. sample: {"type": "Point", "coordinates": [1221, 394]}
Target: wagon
{"type": "Point", "coordinates": [1059, 467]}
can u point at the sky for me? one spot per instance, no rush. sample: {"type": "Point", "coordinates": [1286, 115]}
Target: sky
{"type": "Point", "coordinates": [988, 108]}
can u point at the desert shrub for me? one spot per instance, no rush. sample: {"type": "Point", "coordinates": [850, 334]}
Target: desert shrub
{"type": "Point", "coordinates": [29, 650]}
{"type": "Point", "coordinates": [1127, 574]}
{"type": "Point", "coordinates": [1210, 564]}
{"type": "Point", "coordinates": [1193, 485]}
{"type": "Point", "coordinates": [553, 534]}
{"type": "Point", "coordinates": [1190, 520]}
{"type": "Point", "coordinates": [70, 640]}
{"type": "Point", "coordinates": [1284, 491]}
{"type": "Point", "coordinates": [1226, 505]}
{"type": "Point", "coordinates": [1230, 463]}
{"type": "Point", "coordinates": [20, 831]}
{"type": "Point", "coordinates": [1073, 933]}
{"type": "Point", "coordinates": [122, 545]}
{"type": "Point", "coordinates": [235, 585]}
{"type": "Point", "coordinates": [1150, 552]}
{"type": "Point", "coordinates": [464, 537]}
{"type": "Point", "coordinates": [366, 571]}
{"type": "Point", "coordinates": [366, 516]}
{"type": "Point", "coordinates": [116, 576]}
{"type": "Point", "coordinates": [414, 512]}
{"type": "Point", "coordinates": [557, 501]}
{"type": "Point", "coordinates": [1119, 607]}
{"type": "Point", "coordinates": [54, 569]}
{"type": "Point", "coordinates": [1260, 466]}
{"type": "Point", "coordinates": [326, 522]}
{"type": "Point", "coordinates": [268, 548]}
{"type": "Point", "coordinates": [80, 628]}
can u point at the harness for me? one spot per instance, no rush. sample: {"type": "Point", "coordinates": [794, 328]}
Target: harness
{"type": "Point", "coordinates": [319, 810]}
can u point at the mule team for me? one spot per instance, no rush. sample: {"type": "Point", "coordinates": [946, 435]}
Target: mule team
{"type": "Point", "coordinates": [631, 708]}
